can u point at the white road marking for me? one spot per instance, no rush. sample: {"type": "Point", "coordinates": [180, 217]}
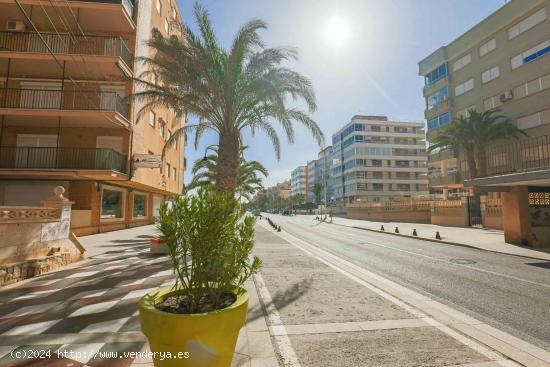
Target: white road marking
{"type": "Point", "coordinates": [469, 341]}
{"type": "Point", "coordinates": [275, 324]}
{"type": "Point", "coordinates": [356, 237]}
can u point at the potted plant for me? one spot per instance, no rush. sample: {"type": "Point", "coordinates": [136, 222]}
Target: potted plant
{"type": "Point", "coordinates": [210, 242]}
{"type": "Point", "coordinates": [158, 246]}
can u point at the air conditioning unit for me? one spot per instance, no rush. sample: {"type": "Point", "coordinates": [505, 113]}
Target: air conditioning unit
{"type": "Point", "coordinates": [15, 26]}
{"type": "Point", "coordinates": [506, 96]}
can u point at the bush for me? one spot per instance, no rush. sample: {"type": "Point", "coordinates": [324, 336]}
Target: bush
{"type": "Point", "coordinates": [210, 243]}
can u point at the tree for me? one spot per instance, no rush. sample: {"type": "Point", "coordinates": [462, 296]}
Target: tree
{"type": "Point", "coordinates": [245, 87]}
{"type": "Point", "coordinates": [317, 191]}
{"type": "Point", "coordinates": [470, 135]}
{"type": "Point", "coordinates": [298, 199]}
{"type": "Point", "coordinates": [249, 179]}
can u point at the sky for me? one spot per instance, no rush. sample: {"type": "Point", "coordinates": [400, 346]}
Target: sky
{"type": "Point", "coordinates": [361, 56]}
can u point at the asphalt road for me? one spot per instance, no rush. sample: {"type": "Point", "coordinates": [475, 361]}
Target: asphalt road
{"type": "Point", "coordinates": [509, 292]}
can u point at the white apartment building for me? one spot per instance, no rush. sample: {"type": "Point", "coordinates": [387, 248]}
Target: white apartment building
{"type": "Point", "coordinates": [375, 159]}
{"type": "Point", "coordinates": [298, 181]}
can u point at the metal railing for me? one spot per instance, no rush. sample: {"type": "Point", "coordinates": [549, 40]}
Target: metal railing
{"type": "Point", "coordinates": [514, 156]}
{"type": "Point", "coordinates": [62, 158]}
{"type": "Point", "coordinates": [449, 179]}
{"type": "Point", "coordinates": [71, 100]}
{"type": "Point", "coordinates": [128, 4]}
{"type": "Point", "coordinates": [440, 156]}
{"type": "Point", "coordinates": [65, 44]}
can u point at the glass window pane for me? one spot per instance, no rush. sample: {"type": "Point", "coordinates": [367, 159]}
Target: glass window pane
{"type": "Point", "coordinates": [111, 204]}
{"type": "Point", "coordinates": [140, 205]}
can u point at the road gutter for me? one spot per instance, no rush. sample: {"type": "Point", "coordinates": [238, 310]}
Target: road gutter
{"type": "Point", "coordinates": [456, 324]}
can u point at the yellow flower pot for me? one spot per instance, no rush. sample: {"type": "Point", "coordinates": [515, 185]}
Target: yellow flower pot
{"type": "Point", "coordinates": [198, 340]}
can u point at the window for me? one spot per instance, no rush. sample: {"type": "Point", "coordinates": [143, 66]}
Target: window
{"type": "Point", "coordinates": [436, 74]}
{"type": "Point", "coordinates": [462, 62]}
{"type": "Point", "coordinates": [166, 26]}
{"type": "Point", "coordinates": [159, 6]}
{"type": "Point", "coordinates": [167, 172]}
{"type": "Point", "coordinates": [527, 122]}
{"type": "Point", "coordinates": [111, 204]}
{"type": "Point", "coordinates": [527, 23]}
{"type": "Point", "coordinates": [161, 129]}
{"type": "Point", "coordinates": [438, 97]}
{"type": "Point", "coordinates": [487, 47]}
{"type": "Point", "coordinates": [174, 13]}
{"type": "Point", "coordinates": [464, 87]}
{"type": "Point", "coordinates": [377, 187]}
{"type": "Point", "coordinates": [532, 54]}
{"type": "Point", "coordinates": [174, 174]}
{"type": "Point", "coordinates": [140, 205]}
{"type": "Point", "coordinates": [438, 121]}
{"type": "Point", "coordinates": [490, 74]}
{"type": "Point", "coordinates": [152, 118]}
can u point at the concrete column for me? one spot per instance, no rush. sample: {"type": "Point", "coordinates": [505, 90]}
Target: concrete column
{"type": "Point", "coordinates": [58, 230]}
{"type": "Point", "coordinates": [516, 219]}
{"type": "Point", "coordinates": [445, 193]}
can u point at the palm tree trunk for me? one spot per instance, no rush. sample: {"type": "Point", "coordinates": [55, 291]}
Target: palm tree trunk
{"type": "Point", "coordinates": [472, 166]}
{"type": "Point", "coordinates": [228, 162]}
{"type": "Point", "coordinates": [482, 164]}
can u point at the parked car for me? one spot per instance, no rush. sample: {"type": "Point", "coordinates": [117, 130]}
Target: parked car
{"type": "Point", "coordinates": [286, 211]}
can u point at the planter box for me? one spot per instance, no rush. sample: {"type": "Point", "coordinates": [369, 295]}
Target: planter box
{"type": "Point", "coordinates": [158, 246]}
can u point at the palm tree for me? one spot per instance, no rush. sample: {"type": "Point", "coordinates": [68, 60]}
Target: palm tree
{"type": "Point", "coordinates": [249, 179]}
{"type": "Point", "coordinates": [317, 191]}
{"type": "Point", "coordinates": [470, 135]}
{"type": "Point", "coordinates": [245, 87]}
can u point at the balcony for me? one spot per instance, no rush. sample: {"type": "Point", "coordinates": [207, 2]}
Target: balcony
{"type": "Point", "coordinates": [107, 107]}
{"type": "Point", "coordinates": [109, 55]}
{"type": "Point", "coordinates": [453, 178]}
{"type": "Point", "coordinates": [524, 161]}
{"type": "Point", "coordinates": [442, 107]}
{"type": "Point", "coordinates": [127, 4]}
{"type": "Point", "coordinates": [48, 158]}
{"type": "Point", "coordinates": [441, 156]}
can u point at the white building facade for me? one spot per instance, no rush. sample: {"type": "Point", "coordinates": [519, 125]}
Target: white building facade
{"type": "Point", "coordinates": [375, 159]}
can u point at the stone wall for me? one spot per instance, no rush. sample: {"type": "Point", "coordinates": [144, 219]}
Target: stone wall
{"type": "Point", "coordinates": [35, 240]}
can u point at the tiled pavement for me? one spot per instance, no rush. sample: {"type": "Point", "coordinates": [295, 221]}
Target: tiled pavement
{"type": "Point", "coordinates": [89, 307]}
{"type": "Point", "coordinates": [92, 306]}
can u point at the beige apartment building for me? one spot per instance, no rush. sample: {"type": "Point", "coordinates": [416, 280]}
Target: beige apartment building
{"type": "Point", "coordinates": [64, 75]}
{"type": "Point", "coordinates": [375, 159]}
{"type": "Point", "coordinates": [503, 62]}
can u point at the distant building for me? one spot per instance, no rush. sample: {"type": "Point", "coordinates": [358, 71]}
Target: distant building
{"type": "Point", "coordinates": [280, 190]}
{"type": "Point", "coordinates": [299, 181]}
{"type": "Point", "coordinates": [374, 159]}
{"type": "Point", "coordinates": [319, 173]}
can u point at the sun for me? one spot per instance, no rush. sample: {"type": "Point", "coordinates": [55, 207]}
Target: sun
{"type": "Point", "coordinates": [337, 31]}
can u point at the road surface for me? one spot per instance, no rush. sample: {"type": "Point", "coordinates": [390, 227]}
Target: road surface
{"type": "Point", "coordinates": [509, 292]}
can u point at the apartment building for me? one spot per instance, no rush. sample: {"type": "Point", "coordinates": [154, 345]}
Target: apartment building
{"type": "Point", "coordinates": [375, 159]}
{"type": "Point", "coordinates": [64, 120]}
{"type": "Point", "coordinates": [499, 63]}
{"type": "Point", "coordinates": [281, 190]}
{"type": "Point", "coordinates": [503, 62]}
{"type": "Point", "coordinates": [299, 181]}
{"type": "Point", "coordinates": [318, 172]}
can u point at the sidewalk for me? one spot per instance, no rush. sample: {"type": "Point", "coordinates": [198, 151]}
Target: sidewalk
{"type": "Point", "coordinates": [91, 306]}
{"type": "Point", "coordinates": [322, 317]}
{"type": "Point", "coordinates": [482, 238]}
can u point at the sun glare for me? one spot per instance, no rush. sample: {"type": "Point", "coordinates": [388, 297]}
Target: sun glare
{"type": "Point", "coordinates": [337, 31]}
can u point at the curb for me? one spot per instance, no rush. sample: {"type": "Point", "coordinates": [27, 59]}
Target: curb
{"type": "Point", "coordinates": [438, 241]}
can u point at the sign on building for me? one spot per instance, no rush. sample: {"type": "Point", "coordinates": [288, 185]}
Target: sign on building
{"type": "Point", "coordinates": [147, 161]}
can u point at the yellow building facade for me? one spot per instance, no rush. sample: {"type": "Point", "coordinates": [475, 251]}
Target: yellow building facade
{"type": "Point", "coordinates": [65, 73]}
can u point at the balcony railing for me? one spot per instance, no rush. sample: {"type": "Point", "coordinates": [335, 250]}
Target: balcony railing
{"type": "Point", "coordinates": [71, 100]}
{"type": "Point", "coordinates": [65, 44]}
{"type": "Point", "coordinates": [449, 179]}
{"type": "Point", "coordinates": [517, 156]}
{"type": "Point", "coordinates": [62, 158]}
{"type": "Point", "coordinates": [128, 4]}
{"type": "Point", "coordinates": [441, 156]}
